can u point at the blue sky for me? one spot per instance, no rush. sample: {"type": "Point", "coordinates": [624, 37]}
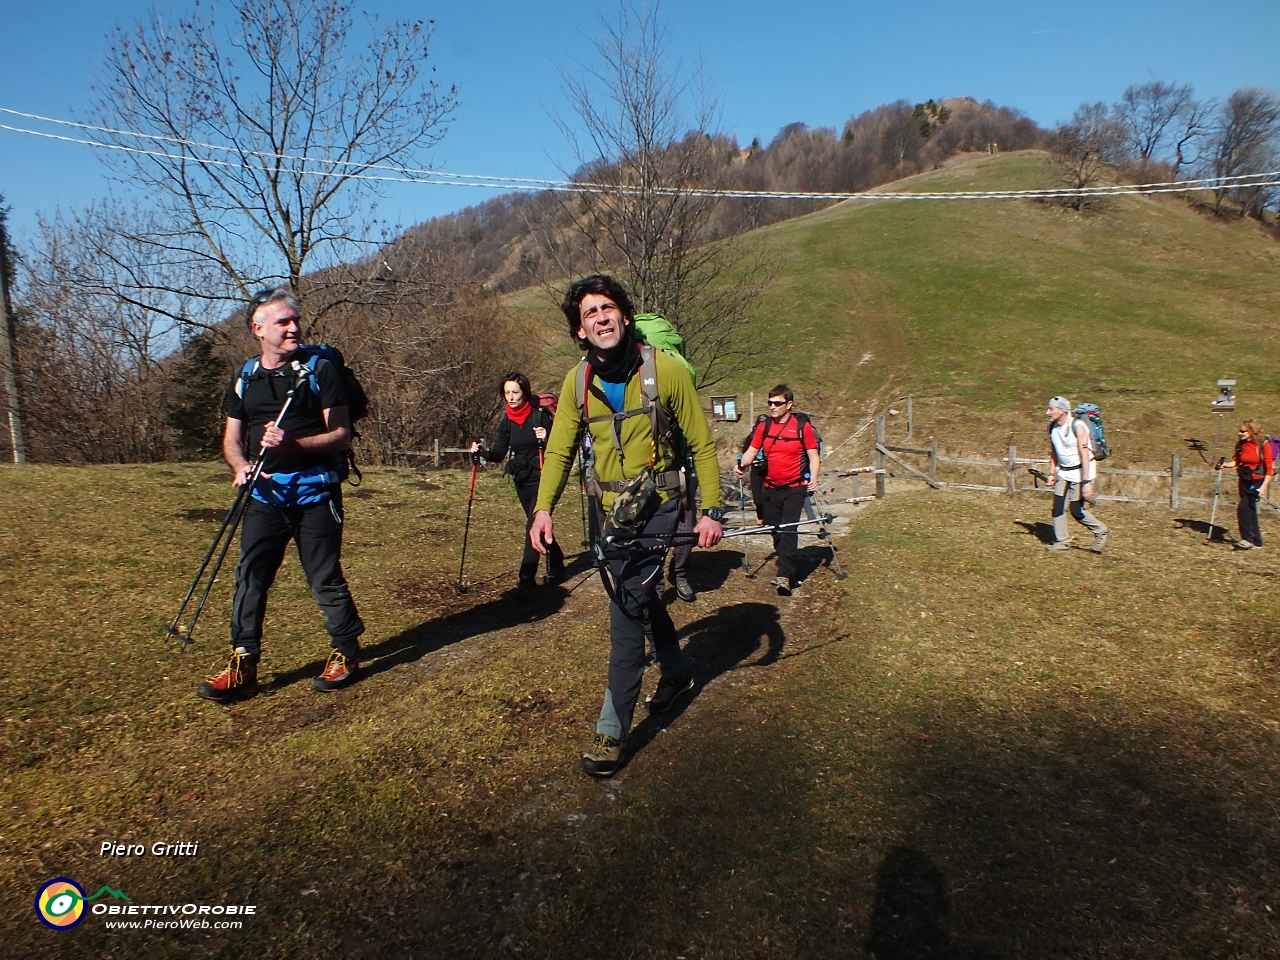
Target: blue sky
{"type": "Point", "coordinates": [770, 63]}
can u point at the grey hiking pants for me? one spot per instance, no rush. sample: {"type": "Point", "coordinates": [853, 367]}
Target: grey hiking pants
{"type": "Point", "coordinates": [641, 614]}
{"type": "Point", "coordinates": [1064, 493]}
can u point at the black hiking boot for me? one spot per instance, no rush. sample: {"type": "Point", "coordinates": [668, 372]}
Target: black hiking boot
{"type": "Point", "coordinates": [668, 690]}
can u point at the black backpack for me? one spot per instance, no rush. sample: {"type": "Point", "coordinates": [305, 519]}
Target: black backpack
{"type": "Point", "coordinates": [352, 391]}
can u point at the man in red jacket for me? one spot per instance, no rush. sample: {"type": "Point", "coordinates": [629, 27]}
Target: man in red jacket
{"type": "Point", "coordinates": [790, 449]}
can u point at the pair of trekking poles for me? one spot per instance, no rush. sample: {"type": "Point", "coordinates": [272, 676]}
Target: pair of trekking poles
{"type": "Point", "coordinates": [226, 533]}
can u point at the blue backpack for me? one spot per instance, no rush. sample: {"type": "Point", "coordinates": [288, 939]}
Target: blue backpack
{"type": "Point", "coordinates": [1092, 417]}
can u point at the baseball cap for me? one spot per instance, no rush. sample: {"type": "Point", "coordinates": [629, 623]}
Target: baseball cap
{"type": "Point", "coordinates": [1059, 402]}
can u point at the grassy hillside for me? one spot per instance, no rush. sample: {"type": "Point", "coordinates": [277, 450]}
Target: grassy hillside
{"type": "Point", "coordinates": [984, 309]}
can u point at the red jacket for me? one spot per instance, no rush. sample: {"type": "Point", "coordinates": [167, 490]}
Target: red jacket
{"type": "Point", "coordinates": [785, 451]}
{"type": "Point", "coordinates": [1253, 460]}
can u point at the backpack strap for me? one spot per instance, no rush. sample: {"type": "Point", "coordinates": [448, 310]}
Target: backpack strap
{"type": "Point", "coordinates": [247, 370]}
{"type": "Point", "coordinates": [659, 425]}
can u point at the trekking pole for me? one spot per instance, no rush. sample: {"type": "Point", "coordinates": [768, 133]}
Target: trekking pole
{"type": "Point", "coordinates": [1039, 476]}
{"type": "Point", "coordinates": [742, 507]}
{"type": "Point", "coordinates": [582, 498]}
{"type": "Point", "coordinates": [1216, 487]}
{"type": "Point", "coordinates": [471, 495]}
{"type": "Point", "coordinates": [228, 529]}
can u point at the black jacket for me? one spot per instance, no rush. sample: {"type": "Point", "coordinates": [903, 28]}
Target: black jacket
{"type": "Point", "coordinates": [522, 444]}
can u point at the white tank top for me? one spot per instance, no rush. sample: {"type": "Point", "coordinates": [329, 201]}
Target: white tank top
{"type": "Point", "coordinates": [1068, 454]}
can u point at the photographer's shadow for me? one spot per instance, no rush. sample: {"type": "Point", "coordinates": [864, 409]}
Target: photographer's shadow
{"type": "Point", "coordinates": [717, 645]}
{"type": "Point", "coordinates": [910, 912]}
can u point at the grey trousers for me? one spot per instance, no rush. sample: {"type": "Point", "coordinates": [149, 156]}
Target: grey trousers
{"type": "Point", "coordinates": [641, 615]}
{"type": "Point", "coordinates": [1064, 493]}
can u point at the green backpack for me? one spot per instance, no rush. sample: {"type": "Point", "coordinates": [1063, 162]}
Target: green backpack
{"type": "Point", "coordinates": [658, 331]}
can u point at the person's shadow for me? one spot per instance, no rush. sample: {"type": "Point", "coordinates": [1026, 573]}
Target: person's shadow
{"type": "Point", "coordinates": [1039, 529]}
{"type": "Point", "coordinates": [1215, 534]}
{"type": "Point", "coordinates": [909, 912]}
{"type": "Point", "coordinates": [716, 645]}
{"type": "Point", "coordinates": [497, 613]}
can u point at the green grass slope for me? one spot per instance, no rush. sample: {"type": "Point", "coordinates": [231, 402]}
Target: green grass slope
{"type": "Point", "coordinates": [984, 309]}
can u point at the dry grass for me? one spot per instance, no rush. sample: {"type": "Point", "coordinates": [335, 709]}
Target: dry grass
{"type": "Point", "coordinates": [970, 748]}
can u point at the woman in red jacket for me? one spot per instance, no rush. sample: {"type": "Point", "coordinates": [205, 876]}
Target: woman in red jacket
{"type": "Point", "coordinates": [1254, 466]}
{"type": "Point", "coordinates": [523, 433]}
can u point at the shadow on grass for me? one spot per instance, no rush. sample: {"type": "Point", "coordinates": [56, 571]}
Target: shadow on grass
{"type": "Point", "coordinates": [499, 613]}
{"type": "Point", "coordinates": [1069, 830]}
{"type": "Point", "coordinates": [716, 645]}
{"type": "Point", "coordinates": [1039, 529]}
{"type": "Point", "coordinates": [1202, 528]}
{"type": "Point", "coordinates": [909, 914]}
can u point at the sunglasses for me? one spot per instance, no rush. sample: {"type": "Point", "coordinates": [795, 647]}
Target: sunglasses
{"type": "Point", "coordinates": [778, 403]}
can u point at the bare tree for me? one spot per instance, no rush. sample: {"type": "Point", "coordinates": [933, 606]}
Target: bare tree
{"type": "Point", "coordinates": [8, 263]}
{"type": "Point", "coordinates": [1147, 112]}
{"type": "Point", "coordinates": [1082, 149]}
{"type": "Point", "coordinates": [1243, 141]}
{"type": "Point", "coordinates": [643, 136]}
{"type": "Point", "coordinates": [257, 130]}
{"type": "Point", "coordinates": [1190, 126]}
{"type": "Point", "coordinates": [91, 360]}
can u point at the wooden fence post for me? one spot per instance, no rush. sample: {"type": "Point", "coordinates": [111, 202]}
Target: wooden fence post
{"type": "Point", "coordinates": [933, 458]}
{"type": "Point", "coordinates": [1013, 469]}
{"type": "Point", "coordinates": [437, 453]}
{"type": "Point", "coordinates": [880, 477]}
{"type": "Point", "coordinates": [1173, 483]}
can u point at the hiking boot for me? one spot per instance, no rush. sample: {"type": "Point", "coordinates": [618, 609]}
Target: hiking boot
{"type": "Point", "coordinates": [669, 688]}
{"type": "Point", "coordinates": [1059, 546]}
{"type": "Point", "coordinates": [783, 585]}
{"type": "Point", "coordinates": [603, 757]}
{"type": "Point", "coordinates": [1243, 545]}
{"type": "Point", "coordinates": [339, 672]}
{"type": "Point", "coordinates": [1099, 541]}
{"type": "Point", "coordinates": [684, 590]}
{"type": "Point", "coordinates": [239, 678]}
{"type": "Point", "coordinates": [524, 591]}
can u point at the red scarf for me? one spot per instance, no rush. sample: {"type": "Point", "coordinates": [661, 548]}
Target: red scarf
{"type": "Point", "coordinates": [518, 415]}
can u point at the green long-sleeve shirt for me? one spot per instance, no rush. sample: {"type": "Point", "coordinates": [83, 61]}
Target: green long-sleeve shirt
{"type": "Point", "coordinates": [680, 400]}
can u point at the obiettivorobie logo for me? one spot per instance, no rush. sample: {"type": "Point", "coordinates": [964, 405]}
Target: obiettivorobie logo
{"type": "Point", "coordinates": [60, 902]}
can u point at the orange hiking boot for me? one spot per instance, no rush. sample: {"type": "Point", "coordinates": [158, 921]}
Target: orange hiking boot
{"type": "Point", "coordinates": [239, 678]}
{"type": "Point", "coordinates": [339, 672]}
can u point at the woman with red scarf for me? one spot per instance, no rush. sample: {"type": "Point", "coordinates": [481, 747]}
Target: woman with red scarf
{"type": "Point", "coordinates": [1254, 467]}
{"type": "Point", "coordinates": [523, 432]}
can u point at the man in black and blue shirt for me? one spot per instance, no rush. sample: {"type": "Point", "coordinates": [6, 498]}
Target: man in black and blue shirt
{"type": "Point", "coordinates": [296, 497]}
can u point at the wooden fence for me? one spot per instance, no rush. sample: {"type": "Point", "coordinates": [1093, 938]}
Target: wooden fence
{"type": "Point", "coordinates": [1011, 466]}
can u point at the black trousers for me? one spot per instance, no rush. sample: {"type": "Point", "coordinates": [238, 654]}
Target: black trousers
{"type": "Point", "coordinates": [264, 537]}
{"type": "Point", "coordinates": [783, 505]}
{"type": "Point", "coordinates": [1247, 512]}
{"type": "Point", "coordinates": [528, 494]}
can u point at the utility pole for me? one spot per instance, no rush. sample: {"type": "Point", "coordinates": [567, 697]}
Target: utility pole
{"type": "Point", "coordinates": [6, 353]}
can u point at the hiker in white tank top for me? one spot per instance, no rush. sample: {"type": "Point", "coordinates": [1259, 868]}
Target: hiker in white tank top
{"type": "Point", "coordinates": [1066, 447]}
{"type": "Point", "coordinates": [1070, 443]}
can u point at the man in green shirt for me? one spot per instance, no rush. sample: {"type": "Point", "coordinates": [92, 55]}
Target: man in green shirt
{"type": "Point", "coordinates": [600, 315]}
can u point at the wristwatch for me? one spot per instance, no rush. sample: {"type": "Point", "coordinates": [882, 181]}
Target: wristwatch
{"type": "Point", "coordinates": [715, 513]}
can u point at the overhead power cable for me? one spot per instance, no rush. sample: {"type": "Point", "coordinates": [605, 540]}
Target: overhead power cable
{"type": "Point", "coordinates": [390, 173]}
